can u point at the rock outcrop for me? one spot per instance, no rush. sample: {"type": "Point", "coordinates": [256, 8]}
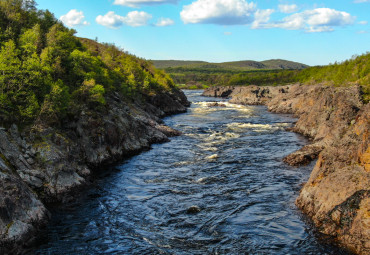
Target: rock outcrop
{"type": "Point", "coordinates": [45, 164]}
{"type": "Point", "coordinates": [250, 95]}
{"type": "Point", "coordinates": [337, 195]}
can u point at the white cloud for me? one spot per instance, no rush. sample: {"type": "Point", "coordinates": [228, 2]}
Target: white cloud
{"type": "Point", "coordinates": [364, 22]}
{"type": "Point", "coordinates": [164, 22]}
{"type": "Point", "coordinates": [110, 19]}
{"type": "Point", "coordinates": [221, 12]}
{"type": "Point", "coordinates": [74, 18]}
{"type": "Point", "coordinates": [316, 20]}
{"type": "Point", "coordinates": [362, 32]}
{"type": "Point", "coordinates": [228, 33]}
{"type": "Point", "coordinates": [137, 19]}
{"type": "Point", "coordinates": [240, 12]}
{"type": "Point", "coordinates": [137, 3]}
{"type": "Point", "coordinates": [261, 18]}
{"type": "Point", "coordinates": [288, 8]}
{"type": "Point", "coordinates": [133, 19]}
{"type": "Point", "coordinates": [362, 1]}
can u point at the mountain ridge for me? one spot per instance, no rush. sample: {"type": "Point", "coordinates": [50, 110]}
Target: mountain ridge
{"type": "Point", "coordinates": [234, 65]}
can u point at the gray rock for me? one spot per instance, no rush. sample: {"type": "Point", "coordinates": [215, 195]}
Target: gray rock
{"type": "Point", "coordinates": [21, 213]}
{"type": "Point", "coordinates": [30, 161]}
{"type": "Point", "coordinates": [193, 210]}
{"type": "Point", "coordinates": [54, 162]}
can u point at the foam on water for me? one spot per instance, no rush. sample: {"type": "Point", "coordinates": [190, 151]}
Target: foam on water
{"type": "Point", "coordinates": [202, 108]}
{"type": "Point", "coordinates": [240, 127]}
{"type": "Point", "coordinates": [228, 165]}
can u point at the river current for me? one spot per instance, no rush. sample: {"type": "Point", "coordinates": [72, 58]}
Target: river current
{"type": "Point", "coordinates": [220, 188]}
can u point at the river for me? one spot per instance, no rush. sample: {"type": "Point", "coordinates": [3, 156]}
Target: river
{"type": "Point", "coordinates": [220, 188]}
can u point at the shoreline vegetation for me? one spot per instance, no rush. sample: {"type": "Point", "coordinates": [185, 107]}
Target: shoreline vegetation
{"type": "Point", "coordinates": [355, 71]}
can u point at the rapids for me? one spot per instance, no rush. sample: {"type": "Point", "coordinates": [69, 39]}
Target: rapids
{"type": "Point", "coordinates": [220, 188]}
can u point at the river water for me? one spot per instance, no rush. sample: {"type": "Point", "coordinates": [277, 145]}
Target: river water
{"type": "Point", "coordinates": [220, 188]}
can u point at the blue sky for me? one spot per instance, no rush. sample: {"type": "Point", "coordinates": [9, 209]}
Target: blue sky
{"type": "Point", "coordinates": [312, 32]}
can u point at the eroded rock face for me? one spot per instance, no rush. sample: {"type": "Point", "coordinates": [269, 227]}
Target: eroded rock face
{"type": "Point", "coordinates": [45, 164]}
{"type": "Point", "coordinates": [249, 95]}
{"type": "Point", "coordinates": [21, 213]}
{"type": "Point", "coordinates": [255, 95]}
{"type": "Point", "coordinates": [337, 195]}
{"type": "Point", "coordinates": [304, 156]}
{"type": "Point", "coordinates": [218, 91]}
{"type": "Point", "coordinates": [325, 113]}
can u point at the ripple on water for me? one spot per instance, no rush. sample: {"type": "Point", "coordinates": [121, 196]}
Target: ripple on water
{"type": "Point", "coordinates": [228, 165]}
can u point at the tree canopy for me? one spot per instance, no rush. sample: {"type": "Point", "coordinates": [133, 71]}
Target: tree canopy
{"type": "Point", "coordinates": [45, 70]}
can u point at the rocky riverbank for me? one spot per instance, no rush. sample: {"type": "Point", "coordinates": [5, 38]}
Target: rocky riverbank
{"type": "Point", "coordinates": [337, 195]}
{"type": "Point", "coordinates": [47, 164]}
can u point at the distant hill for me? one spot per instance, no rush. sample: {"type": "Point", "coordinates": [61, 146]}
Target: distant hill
{"type": "Point", "coordinates": [273, 64]}
{"type": "Point", "coordinates": [283, 64]}
{"type": "Point", "coordinates": [162, 64]}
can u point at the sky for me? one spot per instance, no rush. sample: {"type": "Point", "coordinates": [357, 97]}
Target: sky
{"type": "Point", "coordinates": [313, 32]}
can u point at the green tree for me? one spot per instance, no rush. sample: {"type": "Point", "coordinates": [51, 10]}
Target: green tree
{"type": "Point", "coordinates": [56, 104]}
{"type": "Point", "coordinates": [17, 15]}
{"type": "Point", "coordinates": [91, 93]}
{"type": "Point", "coordinates": [27, 105]}
{"type": "Point", "coordinates": [31, 41]}
{"type": "Point", "coordinates": [9, 68]}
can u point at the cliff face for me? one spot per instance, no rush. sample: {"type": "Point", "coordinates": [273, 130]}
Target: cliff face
{"type": "Point", "coordinates": [337, 195]}
{"type": "Point", "coordinates": [45, 164]}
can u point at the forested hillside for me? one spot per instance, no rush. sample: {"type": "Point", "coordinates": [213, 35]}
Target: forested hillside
{"type": "Point", "coordinates": [47, 73]}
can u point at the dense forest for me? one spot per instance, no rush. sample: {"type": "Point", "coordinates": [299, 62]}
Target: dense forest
{"type": "Point", "coordinates": [350, 72]}
{"type": "Point", "coordinates": [48, 74]}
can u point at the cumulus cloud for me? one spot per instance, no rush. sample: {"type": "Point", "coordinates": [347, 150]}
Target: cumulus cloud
{"type": "Point", "coordinates": [261, 18]}
{"type": "Point", "coordinates": [363, 22]}
{"type": "Point", "coordinates": [288, 8]}
{"type": "Point", "coordinates": [221, 12]}
{"type": "Point", "coordinates": [240, 12]}
{"type": "Point", "coordinates": [74, 18]}
{"type": "Point", "coordinates": [110, 19]}
{"type": "Point", "coordinates": [164, 22]}
{"type": "Point", "coordinates": [137, 3]}
{"type": "Point", "coordinates": [316, 20]}
{"type": "Point", "coordinates": [362, 1]}
{"type": "Point", "coordinates": [133, 19]}
{"type": "Point", "coordinates": [137, 19]}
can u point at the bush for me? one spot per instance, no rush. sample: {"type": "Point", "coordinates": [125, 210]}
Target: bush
{"type": "Point", "coordinates": [90, 93]}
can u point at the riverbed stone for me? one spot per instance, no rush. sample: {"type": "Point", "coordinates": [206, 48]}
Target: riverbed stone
{"type": "Point", "coordinates": [193, 210]}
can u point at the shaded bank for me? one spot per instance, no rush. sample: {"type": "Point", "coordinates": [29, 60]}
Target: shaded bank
{"type": "Point", "coordinates": [47, 164]}
{"type": "Point", "coordinates": [336, 196]}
